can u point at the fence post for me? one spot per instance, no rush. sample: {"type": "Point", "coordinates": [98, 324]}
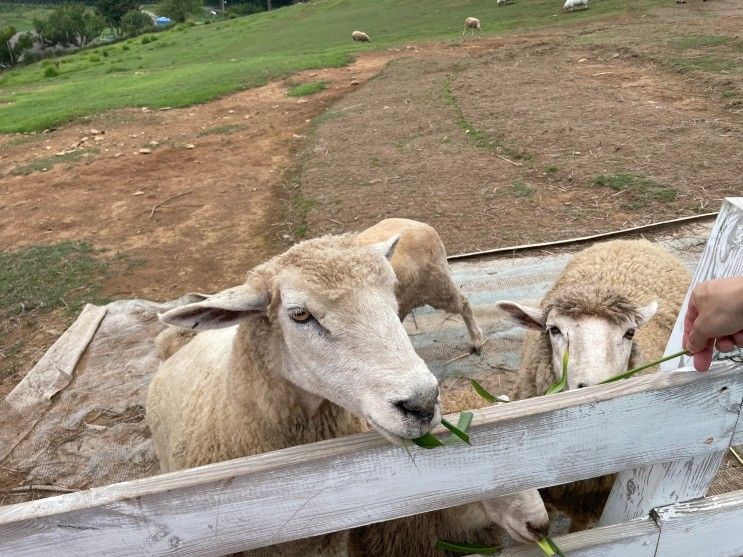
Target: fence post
{"type": "Point", "coordinates": [637, 491]}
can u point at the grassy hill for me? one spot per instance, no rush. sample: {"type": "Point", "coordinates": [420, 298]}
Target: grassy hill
{"type": "Point", "coordinates": [21, 16]}
{"type": "Point", "coordinates": [194, 64]}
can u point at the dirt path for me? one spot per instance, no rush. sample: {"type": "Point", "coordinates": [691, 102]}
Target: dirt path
{"type": "Point", "coordinates": [213, 173]}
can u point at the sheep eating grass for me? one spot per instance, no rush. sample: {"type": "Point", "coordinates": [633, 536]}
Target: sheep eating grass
{"type": "Point", "coordinates": [613, 305]}
{"type": "Point", "coordinates": [307, 346]}
{"type": "Point", "coordinates": [360, 36]}
{"type": "Point", "coordinates": [471, 23]}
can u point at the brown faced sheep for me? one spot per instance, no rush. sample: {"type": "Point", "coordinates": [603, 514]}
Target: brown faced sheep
{"type": "Point", "coordinates": [605, 294]}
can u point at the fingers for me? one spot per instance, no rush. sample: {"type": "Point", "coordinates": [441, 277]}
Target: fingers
{"type": "Point", "coordinates": [691, 315]}
{"type": "Point", "coordinates": [725, 344]}
{"type": "Point", "coordinates": [703, 358]}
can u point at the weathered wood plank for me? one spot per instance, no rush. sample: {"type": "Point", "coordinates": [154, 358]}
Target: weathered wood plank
{"type": "Point", "coordinates": [637, 491]}
{"type": "Point", "coordinates": [705, 527]}
{"type": "Point", "coordinates": [722, 257]}
{"type": "Point", "coordinates": [26, 403]}
{"type": "Point", "coordinates": [637, 538]}
{"type": "Point", "coordinates": [342, 483]}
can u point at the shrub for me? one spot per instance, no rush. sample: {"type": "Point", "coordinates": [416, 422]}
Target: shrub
{"type": "Point", "coordinates": [70, 24]}
{"type": "Point", "coordinates": [179, 10]}
{"type": "Point", "coordinates": [145, 40]}
{"type": "Point", "coordinates": [51, 71]}
{"type": "Point", "coordinates": [135, 23]}
{"type": "Point", "coordinates": [94, 58]}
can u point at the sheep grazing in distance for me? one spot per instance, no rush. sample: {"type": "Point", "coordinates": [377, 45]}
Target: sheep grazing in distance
{"type": "Point", "coordinates": [471, 23]}
{"type": "Point", "coordinates": [318, 348]}
{"type": "Point", "coordinates": [616, 303]}
{"type": "Point", "coordinates": [570, 5]}
{"type": "Point", "coordinates": [360, 37]}
{"type": "Point", "coordinates": [423, 275]}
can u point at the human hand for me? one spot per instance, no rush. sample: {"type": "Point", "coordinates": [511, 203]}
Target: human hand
{"type": "Point", "coordinates": [714, 318]}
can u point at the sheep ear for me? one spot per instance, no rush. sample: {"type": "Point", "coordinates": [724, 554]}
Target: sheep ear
{"type": "Point", "coordinates": [525, 316]}
{"type": "Point", "coordinates": [646, 313]}
{"type": "Point", "coordinates": [223, 309]}
{"type": "Point", "coordinates": [386, 248]}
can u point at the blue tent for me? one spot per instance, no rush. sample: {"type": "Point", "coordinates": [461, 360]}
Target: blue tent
{"type": "Point", "coordinates": [162, 21]}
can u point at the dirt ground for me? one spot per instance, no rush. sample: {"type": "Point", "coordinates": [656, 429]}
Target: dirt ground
{"type": "Point", "coordinates": [194, 214]}
{"type": "Point", "coordinates": [416, 132]}
{"type": "Point", "coordinates": [502, 144]}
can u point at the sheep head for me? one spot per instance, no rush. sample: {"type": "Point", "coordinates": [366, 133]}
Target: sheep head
{"type": "Point", "coordinates": [334, 331]}
{"type": "Point", "coordinates": [595, 325]}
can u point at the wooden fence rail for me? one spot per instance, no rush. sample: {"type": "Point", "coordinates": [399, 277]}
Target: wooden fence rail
{"type": "Point", "coordinates": [342, 483]}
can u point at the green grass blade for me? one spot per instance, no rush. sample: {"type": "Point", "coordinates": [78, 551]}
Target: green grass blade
{"type": "Point", "coordinates": [554, 547]}
{"type": "Point", "coordinates": [428, 441]}
{"type": "Point", "coordinates": [460, 430]}
{"type": "Point", "coordinates": [544, 545]}
{"type": "Point", "coordinates": [484, 393]}
{"type": "Point", "coordinates": [563, 382]}
{"type": "Point", "coordinates": [467, 548]}
{"type": "Point", "coordinates": [638, 369]}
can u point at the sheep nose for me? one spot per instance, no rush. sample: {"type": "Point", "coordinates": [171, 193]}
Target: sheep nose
{"type": "Point", "coordinates": [540, 530]}
{"type": "Point", "coordinates": [581, 385]}
{"type": "Point", "coordinates": [421, 407]}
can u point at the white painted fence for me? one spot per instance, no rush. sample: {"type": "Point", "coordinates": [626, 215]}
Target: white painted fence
{"type": "Point", "coordinates": [666, 430]}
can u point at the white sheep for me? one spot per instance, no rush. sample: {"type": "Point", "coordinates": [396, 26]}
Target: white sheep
{"type": "Point", "coordinates": [471, 23]}
{"type": "Point", "coordinates": [423, 276]}
{"type": "Point", "coordinates": [307, 321]}
{"type": "Point", "coordinates": [605, 295]}
{"type": "Point", "coordinates": [360, 37]}
{"type": "Point", "coordinates": [572, 4]}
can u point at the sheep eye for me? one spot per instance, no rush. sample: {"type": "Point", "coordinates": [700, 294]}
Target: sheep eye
{"type": "Point", "coordinates": [554, 330]}
{"type": "Point", "coordinates": [300, 315]}
{"type": "Point", "coordinates": [629, 335]}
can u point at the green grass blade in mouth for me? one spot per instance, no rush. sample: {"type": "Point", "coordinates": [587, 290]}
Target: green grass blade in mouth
{"type": "Point", "coordinates": [460, 430]}
{"type": "Point", "coordinates": [546, 547]}
{"type": "Point", "coordinates": [428, 441]}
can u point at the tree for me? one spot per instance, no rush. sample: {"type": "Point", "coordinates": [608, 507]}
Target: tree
{"type": "Point", "coordinates": [179, 10]}
{"type": "Point", "coordinates": [7, 57]}
{"type": "Point", "coordinates": [135, 23]}
{"type": "Point", "coordinates": [113, 10]}
{"type": "Point", "coordinates": [70, 24]}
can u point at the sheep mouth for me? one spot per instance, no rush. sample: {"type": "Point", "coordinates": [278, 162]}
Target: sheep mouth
{"type": "Point", "coordinates": [393, 438]}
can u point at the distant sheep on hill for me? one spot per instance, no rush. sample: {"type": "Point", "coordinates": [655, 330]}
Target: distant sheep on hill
{"type": "Point", "coordinates": [471, 23]}
{"type": "Point", "coordinates": [572, 4]}
{"type": "Point", "coordinates": [360, 37]}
